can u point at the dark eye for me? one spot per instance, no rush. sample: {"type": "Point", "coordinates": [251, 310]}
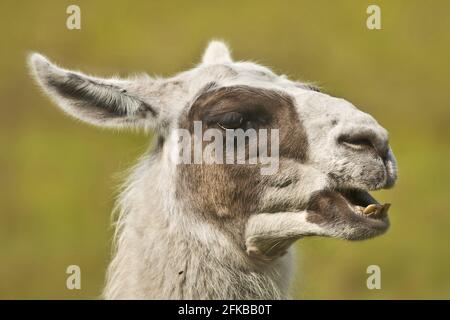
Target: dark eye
{"type": "Point", "coordinates": [231, 120]}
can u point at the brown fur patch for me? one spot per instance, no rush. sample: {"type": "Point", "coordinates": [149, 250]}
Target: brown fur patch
{"type": "Point", "coordinates": [229, 191]}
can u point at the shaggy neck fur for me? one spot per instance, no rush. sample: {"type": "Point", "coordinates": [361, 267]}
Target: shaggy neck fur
{"type": "Point", "coordinates": [160, 253]}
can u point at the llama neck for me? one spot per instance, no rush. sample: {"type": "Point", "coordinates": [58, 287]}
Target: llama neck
{"type": "Point", "coordinates": [163, 264]}
{"type": "Point", "coordinates": [163, 253]}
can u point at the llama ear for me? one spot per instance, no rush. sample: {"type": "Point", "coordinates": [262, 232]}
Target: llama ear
{"type": "Point", "coordinates": [103, 102]}
{"type": "Point", "coordinates": [216, 52]}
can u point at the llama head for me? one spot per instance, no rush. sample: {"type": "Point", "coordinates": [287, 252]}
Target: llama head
{"type": "Point", "coordinates": [329, 154]}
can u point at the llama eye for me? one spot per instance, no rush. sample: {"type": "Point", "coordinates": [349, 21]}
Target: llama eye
{"type": "Point", "coordinates": [231, 120]}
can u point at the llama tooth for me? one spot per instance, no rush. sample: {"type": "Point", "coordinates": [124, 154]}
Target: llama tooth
{"type": "Point", "coordinates": [370, 209]}
{"type": "Point", "coordinates": [385, 208]}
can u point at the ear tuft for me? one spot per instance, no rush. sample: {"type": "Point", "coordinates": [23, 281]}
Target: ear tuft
{"type": "Point", "coordinates": [37, 60]}
{"type": "Point", "coordinates": [216, 52]}
{"type": "Point", "coordinates": [41, 68]}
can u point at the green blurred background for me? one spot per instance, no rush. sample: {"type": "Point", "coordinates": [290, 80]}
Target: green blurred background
{"type": "Point", "coordinates": [58, 177]}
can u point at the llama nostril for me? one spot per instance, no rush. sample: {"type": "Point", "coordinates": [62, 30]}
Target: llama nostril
{"type": "Point", "coordinates": [366, 141]}
{"type": "Point", "coordinates": [355, 141]}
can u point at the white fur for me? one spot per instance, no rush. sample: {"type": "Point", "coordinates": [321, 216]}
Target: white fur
{"type": "Point", "coordinates": [164, 251]}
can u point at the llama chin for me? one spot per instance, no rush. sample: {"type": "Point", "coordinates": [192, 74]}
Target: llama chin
{"type": "Point", "coordinates": [216, 230]}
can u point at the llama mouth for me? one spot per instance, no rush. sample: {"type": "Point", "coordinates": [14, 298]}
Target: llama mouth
{"type": "Point", "coordinates": [351, 214]}
{"type": "Point", "coordinates": [364, 205]}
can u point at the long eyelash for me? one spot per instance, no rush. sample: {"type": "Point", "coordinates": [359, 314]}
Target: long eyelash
{"type": "Point", "coordinates": [241, 120]}
{"type": "Point", "coordinates": [221, 126]}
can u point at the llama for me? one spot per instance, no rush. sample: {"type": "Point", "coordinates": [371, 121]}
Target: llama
{"type": "Point", "coordinates": [220, 231]}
